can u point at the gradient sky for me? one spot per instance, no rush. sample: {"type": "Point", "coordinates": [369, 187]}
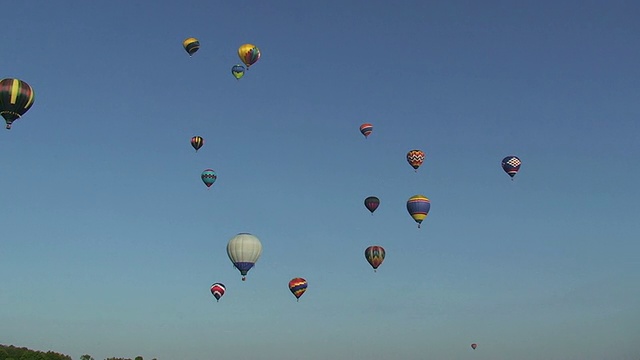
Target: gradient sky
{"type": "Point", "coordinates": [110, 241]}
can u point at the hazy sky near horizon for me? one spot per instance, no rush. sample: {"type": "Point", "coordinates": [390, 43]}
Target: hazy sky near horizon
{"type": "Point", "coordinates": [110, 241]}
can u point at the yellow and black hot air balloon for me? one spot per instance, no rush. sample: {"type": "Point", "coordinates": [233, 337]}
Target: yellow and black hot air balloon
{"type": "Point", "coordinates": [197, 142]}
{"type": "Point", "coordinates": [16, 97]}
{"type": "Point", "coordinates": [191, 45]}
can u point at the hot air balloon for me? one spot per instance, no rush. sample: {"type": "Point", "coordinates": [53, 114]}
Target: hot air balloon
{"type": "Point", "coordinates": [197, 142]}
{"type": "Point", "coordinates": [217, 290]}
{"type": "Point", "coordinates": [249, 54]}
{"type": "Point", "coordinates": [415, 158]}
{"type": "Point", "coordinates": [16, 98]}
{"type": "Point", "coordinates": [366, 130]}
{"type": "Point", "coordinates": [374, 255]}
{"type": "Point", "coordinates": [511, 165]}
{"type": "Point", "coordinates": [208, 177]}
{"type": "Point", "coordinates": [237, 71]}
{"type": "Point", "coordinates": [474, 346]}
{"type": "Point", "coordinates": [191, 45]}
{"type": "Point", "coordinates": [244, 250]}
{"type": "Point", "coordinates": [418, 207]}
{"type": "Point", "coordinates": [371, 203]}
{"type": "Point", "coordinates": [298, 286]}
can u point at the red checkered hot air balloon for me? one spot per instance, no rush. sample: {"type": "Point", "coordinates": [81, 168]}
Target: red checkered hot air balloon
{"type": "Point", "coordinates": [511, 165]}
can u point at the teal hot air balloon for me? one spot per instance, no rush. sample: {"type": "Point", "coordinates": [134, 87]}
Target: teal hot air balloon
{"type": "Point", "coordinates": [16, 98]}
{"type": "Point", "coordinates": [208, 177]}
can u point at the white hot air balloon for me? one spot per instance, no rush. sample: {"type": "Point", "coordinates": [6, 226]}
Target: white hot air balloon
{"type": "Point", "coordinates": [244, 250]}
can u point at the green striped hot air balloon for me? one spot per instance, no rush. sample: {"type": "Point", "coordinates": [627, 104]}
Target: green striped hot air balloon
{"type": "Point", "coordinates": [16, 98]}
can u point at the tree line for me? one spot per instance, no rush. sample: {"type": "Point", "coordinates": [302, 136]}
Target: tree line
{"type": "Point", "coordinates": [10, 352]}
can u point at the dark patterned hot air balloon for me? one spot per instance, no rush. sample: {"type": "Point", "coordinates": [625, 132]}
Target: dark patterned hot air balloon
{"type": "Point", "coordinates": [249, 54]}
{"type": "Point", "coordinates": [415, 158]}
{"type": "Point", "coordinates": [208, 177]}
{"type": "Point", "coordinates": [237, 71]}
{"type": "Point", "coordinates": [474, 346]}
{"type": "Point", "coordinates": [298, 286]}
{"type": "Point", "coordinates": [371, 203]}
{"type": "Point", "coordinates": [217, 290]}
{"type": "Point", "coordinates": [418, 207]}
{"type": "Point", "coordinates": [191, 45]}
{"type": "Point", "coordinates": [16, 97]}
{"type": "Point", "coordinates": [374, 255]}
{"type": "Point", "coordinates": [197, 142]}
{"type": "Point", "coordinates": [366, 130]}
{"type": "Point", "coordinates": [511, 165]}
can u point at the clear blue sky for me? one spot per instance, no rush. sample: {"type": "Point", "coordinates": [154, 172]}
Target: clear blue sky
{"type": "Point", "coordinates": [109, 239]}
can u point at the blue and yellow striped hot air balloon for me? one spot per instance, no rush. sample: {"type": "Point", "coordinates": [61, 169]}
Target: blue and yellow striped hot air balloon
{"type": "Point", "coordinates": [16, 98]}
{"type": "Point", "coordinates": [237, 71]}
{"type": "Point", "coordinates": [298, 286]}
{"type": "Point", "coordinates": [418, 207]}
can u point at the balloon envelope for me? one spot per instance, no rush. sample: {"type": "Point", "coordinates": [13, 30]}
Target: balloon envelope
{"type": "Point", "coordinates": [415, 158]}
{"type": "Point", "coordinates": [237, 71]}
{"type": "Point", "coordinates": [16, 98]}
{"type": "Point", "coordinates": [244, 250]}
{"type": "Point", "coordinates": [511, 165]}
{"type": "Point", "coordinates": [249, 54]}
{"type": "Point", "coordinates": [217, 290]}
{"type": "Point", "coordinates": [374, 255]}
{"type": "Point", "coordinates": [474, 346]}
{"type": "Point", "coordinates": [191, 45]}
{"type": "Point", "coordinates": [371, 203]}
{"type": "Point", "coordinates": [418, 207]}
{"type": "Point", "coordinates": [366, 129]}
{"type": "Point", "coordinates": [297, 286]}
{"type": "Point", "coordinates": [197, 142]}
{"type": "Point", "coordinates": [208, 177]}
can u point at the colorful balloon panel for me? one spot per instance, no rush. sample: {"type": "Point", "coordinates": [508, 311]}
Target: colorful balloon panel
{"type": "Point", "coordinates": [297, 286]}
{"type": "Point", "coordinates": [374, 255]}
{"type": "Point", "coordinates": [191, 45]}
{"type": "Point", "coordinates": [244, 250]}
{"type": "Point", "coordinates": [16, 98]}
{"type": "Point", "coordinates": [511, 165]}
{"type": "Point", "coordinates": [371, 203]}
{"type": "Point", "coordinates": [217, 290]}
{"type": "Point", "coordinates": [418, 207]}
{"type": "Point", "coordinates": [249, 54]}
{"type": "Point", "coordinates": [366, 129]}
{"type": "Point", "coordinates": [415, 158]}
{"type": "Point", "coordinates": [197, 142]}
{"type": "Point", "coordinates": [208, 177]}
{"type": "Point", "coordinates": [237, 71]}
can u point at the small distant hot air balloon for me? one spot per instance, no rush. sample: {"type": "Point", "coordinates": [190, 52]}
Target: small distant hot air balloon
{"type": "Point", "coordinates": [197, 142]}
{"type": "Point", "coordinates": [415, 158]}
{"type": "Point", "coordinates": [371, 203]}
{"type": "Point", "coordinates": [244, 250]}
{"type": "Point", "coordinates": [366, 130]}
{"type": "Point", "coordinates": [375, 256]}
{"type": "Point", "coordinates": [217, 290]}
{"type": "Point", "coordinates": [208, 177]}
{"type": "Point", "coordinates": [474, 346]}
{"type": "Point", "coordinates": [418, 207]}
{"type": "Point", "coordinates": [511, 165]}
{"type": "Point", "coordinates": [249, 54]}
{"type": "Point", "coordinates": [16, 98]}
{"type": "Point", "coordinates": [298, 286]}
{"type": "Point", "coordinates": [191, 45]}
{"type": "Point", "coordinates": [237, 71]}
